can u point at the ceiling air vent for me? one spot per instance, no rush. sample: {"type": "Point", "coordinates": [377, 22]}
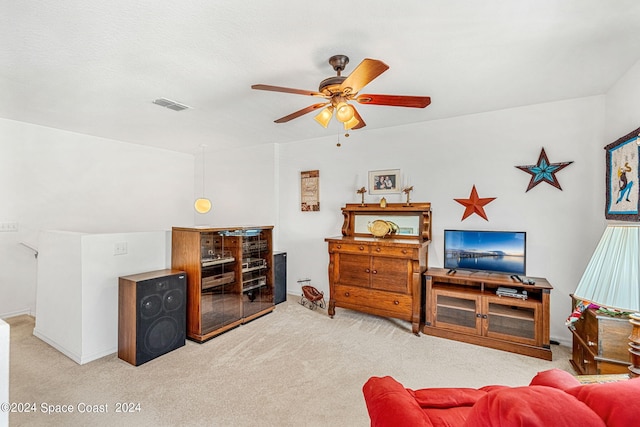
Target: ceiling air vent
{"type": "Point", "coordinates": [172, 105]}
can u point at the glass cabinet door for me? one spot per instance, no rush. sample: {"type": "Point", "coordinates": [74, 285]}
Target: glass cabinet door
{"type": "Point", "coordinates": [220, 302]}
{"type": "Point", "coordinates": [512, 319]}
{"type": "Point", "coordinates": [257, 294]}
{"type": "Point", "coordinates": [457, 311]}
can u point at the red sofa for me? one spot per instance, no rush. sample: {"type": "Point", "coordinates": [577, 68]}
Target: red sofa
{"type": "Point", "coordinates": [553, 398]}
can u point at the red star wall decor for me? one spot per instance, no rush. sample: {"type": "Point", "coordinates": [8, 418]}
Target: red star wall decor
{"type": "Point", "coordinates": [543, 171]}
{"type": "Point", "coordinates": [474, 204]}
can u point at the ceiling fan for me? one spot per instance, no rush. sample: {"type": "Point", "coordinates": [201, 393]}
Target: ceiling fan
{"type": "Point", "coordinates": [339, 90]}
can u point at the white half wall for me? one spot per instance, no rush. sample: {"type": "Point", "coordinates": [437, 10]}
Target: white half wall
{"type": "Point", "coordinates": [77, 296]}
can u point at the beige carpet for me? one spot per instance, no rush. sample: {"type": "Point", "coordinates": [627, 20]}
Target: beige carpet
{"type": "Point", "coordinates": [293, 367]}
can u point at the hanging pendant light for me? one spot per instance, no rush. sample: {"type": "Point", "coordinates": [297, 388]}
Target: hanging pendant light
{"type": "Point", "coordinates": [202, 205]}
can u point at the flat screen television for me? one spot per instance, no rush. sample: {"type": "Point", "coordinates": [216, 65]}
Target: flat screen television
{"type": "Point", "coordinates": [493, 251]}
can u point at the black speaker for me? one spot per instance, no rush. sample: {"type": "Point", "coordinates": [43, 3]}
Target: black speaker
{"type": "Point", "coordinates": [151, 314]}
{"type": "Point", "coordinates": [280, 277]}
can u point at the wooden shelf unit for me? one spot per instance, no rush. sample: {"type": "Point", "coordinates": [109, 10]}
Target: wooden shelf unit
{"type": "Point", "coordinates": [464, 306]}
{"type": "Point", "coordinates": [229, 276]}
{"type": "Point", "coordinates": [380, 275]}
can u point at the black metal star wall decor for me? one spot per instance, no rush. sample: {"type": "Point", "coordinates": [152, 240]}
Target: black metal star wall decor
{"type": "Point", "coordinates": [544, 171]}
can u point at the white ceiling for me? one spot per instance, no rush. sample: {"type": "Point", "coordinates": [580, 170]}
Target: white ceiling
{"type": "Point", "coordinates": [95, 66]}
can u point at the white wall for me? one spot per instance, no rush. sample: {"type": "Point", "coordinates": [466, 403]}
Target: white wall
{"type": "Point", "coordinates": [52, 179]}
{"type": "Point", "coordinates": [622, 107]}
{"type": "Point", "coordinates": [241, 186]}
{"type": "Point", "coordinates": [445, 159]}
{"type": "Point", "coordinates": [77, 293]}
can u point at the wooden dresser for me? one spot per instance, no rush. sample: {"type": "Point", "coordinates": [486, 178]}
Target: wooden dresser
{"type": "Point", "coordinates": [600, 344]}
{"type": "Point", "coordinates": [380, 275]}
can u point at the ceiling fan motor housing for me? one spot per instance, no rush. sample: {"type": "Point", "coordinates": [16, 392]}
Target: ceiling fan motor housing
{"type": "Point", "coordinates": [331, 85]}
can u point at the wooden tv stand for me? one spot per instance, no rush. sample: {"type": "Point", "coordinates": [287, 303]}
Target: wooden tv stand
{"type": "Point", "coordinates": [464, 306]}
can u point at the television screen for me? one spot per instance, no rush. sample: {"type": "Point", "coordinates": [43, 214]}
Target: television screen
{"type": "Point", "coordinates": [493, 251]}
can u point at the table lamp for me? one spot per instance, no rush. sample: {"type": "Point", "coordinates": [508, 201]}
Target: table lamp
{"type": "Point", "coordinates": [612, 279]}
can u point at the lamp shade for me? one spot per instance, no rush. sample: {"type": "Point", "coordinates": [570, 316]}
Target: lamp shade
{"type": "Point", "coordinates": [324, 116]}
{"type": "Point", "coordinates": [612, 277]}
{"type": "Point", "coordinates": [351, 123]}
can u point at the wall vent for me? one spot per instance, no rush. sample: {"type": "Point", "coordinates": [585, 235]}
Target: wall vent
{"type": "Point", "coordinates": [172, 105]}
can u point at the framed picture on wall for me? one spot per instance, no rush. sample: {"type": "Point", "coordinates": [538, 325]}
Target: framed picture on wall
{"type": "Point", "coordinates": [310, 191]}
{"type": "Point", "coordinates": [622, 193]}
{"type": "Point", "coordinates": [384, 181]}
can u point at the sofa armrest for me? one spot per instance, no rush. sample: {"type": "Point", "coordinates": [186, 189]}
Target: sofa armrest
{"type": "Point", "coordinates": [391, 405]}
{"type": "Point", "coordinates": [556, 378]}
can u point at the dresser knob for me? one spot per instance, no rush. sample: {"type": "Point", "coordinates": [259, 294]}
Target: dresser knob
{"type": "Point", "coordinates": [591, 343]}
{"type": "Point", "coordinates": [346, 294]}
{"type": "Point", "coordinates": [396, 302]}
{"type": "Point", "coordinates": [404, 251]}
{"type": "Point", "coordinates": [367, 271]}
{"type": "Point", "coordinates": [377, 249]}
{"type": "Point", "coordinates": [375, 271]}
{"type": "Point", "coordinates": [339, 246]}
{"type": "Point", "coordinates": [362, 248]}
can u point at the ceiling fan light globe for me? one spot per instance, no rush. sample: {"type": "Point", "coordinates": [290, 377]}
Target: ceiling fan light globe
{"type": "Point", "coordinates": [202, 205]}
{"type": "Point", "coordinates": [351, 123]}
{"type": "Point", "coordinates": [324, 116]}
{"type": "Point", "coordinates": [344, 112]}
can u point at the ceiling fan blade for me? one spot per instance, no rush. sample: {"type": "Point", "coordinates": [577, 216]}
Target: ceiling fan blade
{"type": "Point", "coordinates": [299, 113]}
{"type": "Point", "coordinates": [287, 90]}
{"type": "Point", "coordinates": [365, 72]}
{"type": "Point", "coordinates": [361, 123]}
{"type": "Point", "coordinates": [395, 100]}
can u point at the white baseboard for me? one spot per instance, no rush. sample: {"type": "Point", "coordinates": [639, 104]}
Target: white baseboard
{"type": "Point", "coordinates": [563, 341]}
{"type": "Point", "coordinates": [26, 311]}
{"type": "Point", "coordinates": [79, 359]}
{"type": "Point", "coordinates": [70, 354]}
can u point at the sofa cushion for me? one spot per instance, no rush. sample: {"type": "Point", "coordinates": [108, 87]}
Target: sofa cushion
{"type": "Point", "coordinates": [556, 378]}
{"type": "Point", "coordinates": [449, 417]}
{"type": "Point", "coordinates": [531, 406]}
{"type": "Point", "coordinates": [615, 402]}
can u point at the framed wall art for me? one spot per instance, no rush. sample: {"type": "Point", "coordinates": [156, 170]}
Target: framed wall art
{"type": "Point", "coordinates": [384, 181]}
{"type": "Point", "coordinates": [310, 191]}
{"type": "Point", "coordinates": [622, 195]}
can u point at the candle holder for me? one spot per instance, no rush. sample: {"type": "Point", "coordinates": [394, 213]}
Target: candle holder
{"type": "Point", "coordinates": [361, 191]}
{"type": "Point", "coordinates": [407, 191]}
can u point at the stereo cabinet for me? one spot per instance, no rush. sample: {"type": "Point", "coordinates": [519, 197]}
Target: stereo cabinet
{"type": "Point", "coordinates": [380, 275]}
{"type": "Point", "coordinates": [229, 276]}
{"type": "Point", "coordinates": [465, 306]}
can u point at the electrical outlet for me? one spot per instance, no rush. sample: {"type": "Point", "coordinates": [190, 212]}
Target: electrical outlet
{"type": "Point", "coordinates": [120, 248]}
{"type": "Point", "coordinates": [8, 226]}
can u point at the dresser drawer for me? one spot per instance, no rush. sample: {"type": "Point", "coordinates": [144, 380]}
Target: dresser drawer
{"type": "Point", "coordinates": [378, 302]}
{"type": "Point", "coordinates": [392, 251]}
{"type": "Point", "coordinates": [353, 248]}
